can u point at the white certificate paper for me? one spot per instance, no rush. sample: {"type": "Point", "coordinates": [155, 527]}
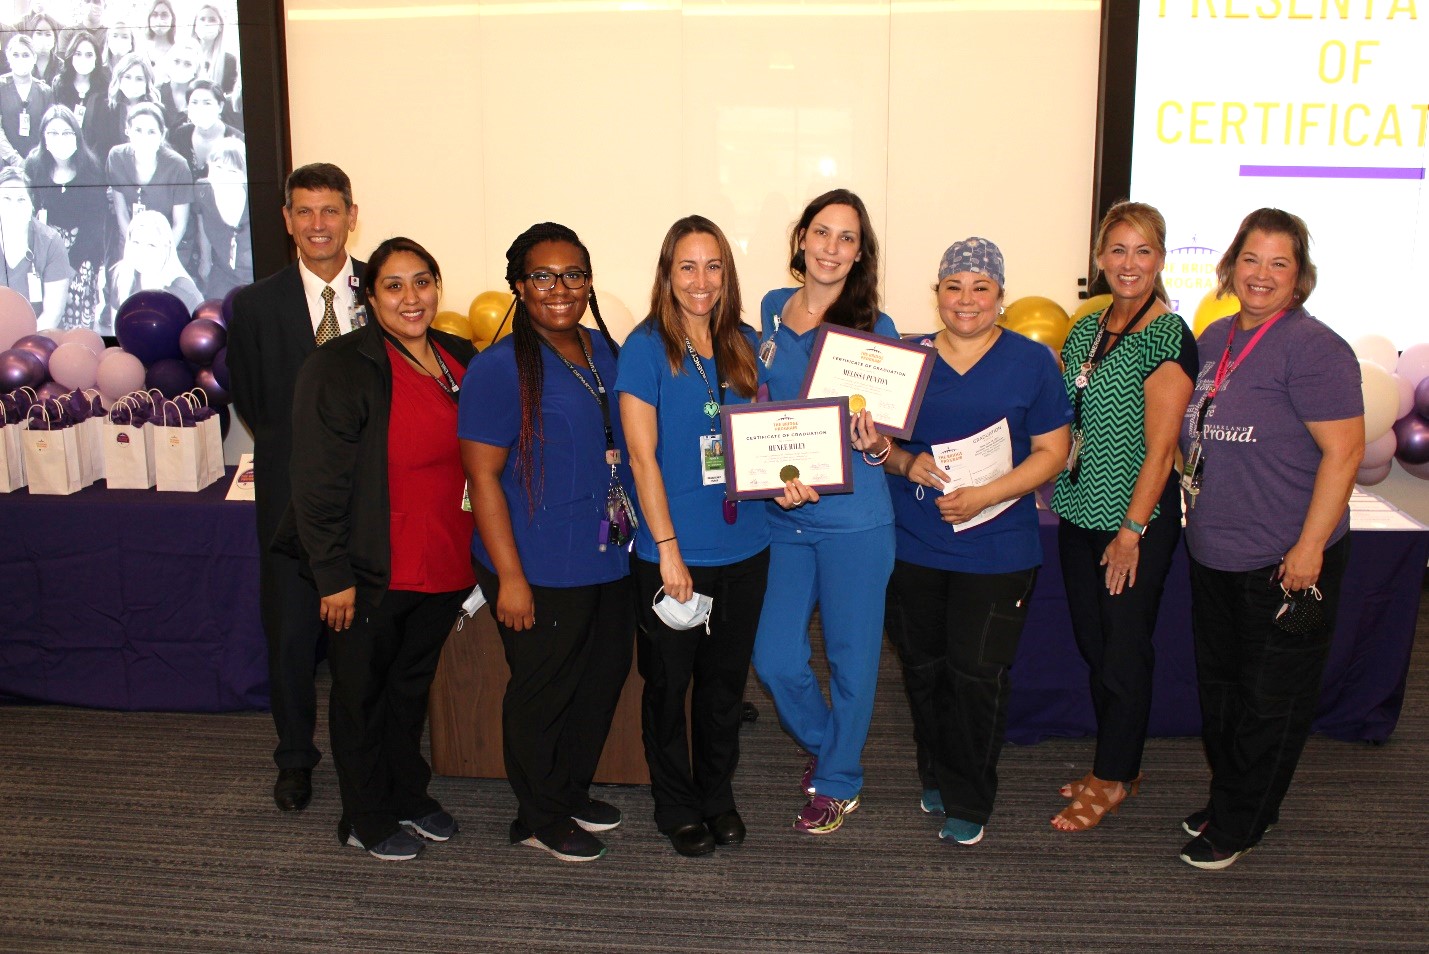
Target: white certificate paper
{"type": "Point", "coordinates": [767, 444]}
{"type": "Point", "coordinates": [974, 461]}
{"type": "Point", "coordinates": [886, 376]}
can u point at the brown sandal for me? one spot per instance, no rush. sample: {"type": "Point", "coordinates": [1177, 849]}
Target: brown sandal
{"type": "Point", "coordinates": [1073, 789]}
{"type": "Point", "coordinates": [1093, 803]}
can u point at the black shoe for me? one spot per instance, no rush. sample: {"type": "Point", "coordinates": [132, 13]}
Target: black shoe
{"type": "Point", "coordinates": [1195, 823]}
{"type": "Point", "coordinates": [436, 826]}
{"type": "Point", "coordinates": [597, 816]}
{"type": "Point", "coordinates": [727, 828]}
{"type": "Point", "coordinates": [294, 789]}
{"type": "Point", "coordinates": [693, 840]}
{"type": "Point", "coordinates": [399, 846]}
{"type": "Point", "coordinates": [1200, 853]}
{"type": "Point", "coordinates": [564, 839]}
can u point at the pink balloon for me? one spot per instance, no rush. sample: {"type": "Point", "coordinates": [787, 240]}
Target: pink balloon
{"type": "Point", "coordinates": [1369, 476]}
{"type": "Point", "coordinates": [1416, 470]}
{"type": "Point", "coordinates": [1380, 451]}
{"type": "Point", "coordinates": [119, 373]}
{"type": "Point", "coordinates": [1413, 364]}
{"type": "Point", "coordinates": [74, 365]}
{"type": "Point", "coordinates": [1406, 395]}
{"type": "Point", "coordinates": [17, 318]}
{"type": "Point", "coordinates": [90, 339]}
{"type": "Point", "coordinates": [54, 334]}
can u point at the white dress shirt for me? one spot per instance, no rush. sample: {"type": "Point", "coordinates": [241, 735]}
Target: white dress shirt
{"type": "Point", "coordinates": [345, 302]}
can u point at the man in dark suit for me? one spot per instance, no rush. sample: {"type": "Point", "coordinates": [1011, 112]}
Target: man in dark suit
{"type": "Point", "coordinates": [276, 324]}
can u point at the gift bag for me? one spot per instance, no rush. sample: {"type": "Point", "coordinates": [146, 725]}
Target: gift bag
{"type": "Point", "coordinates": [178, 449]}
{"type": "Point", "coordinates": [212, 431]}
{"type": "Point", "coordinates": [128, 439]}
{"type": "Point", "coordinates": [12, 458]}
{"type": "Point", "coordinates": [51, 451]}
{"type": "Point", "coordinates": [89, 435]}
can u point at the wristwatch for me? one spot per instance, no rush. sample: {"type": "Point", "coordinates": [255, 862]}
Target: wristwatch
{"type": "Point", "coordinates": [1137, 528]}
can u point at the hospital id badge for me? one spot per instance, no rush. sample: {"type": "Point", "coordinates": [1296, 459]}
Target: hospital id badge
{"type": "Point", "coordinates": [24, 129]}
{"type": "Point", "coordinates": [1191, 476]}
{"type": "Point", "coordinates": [711, 459]}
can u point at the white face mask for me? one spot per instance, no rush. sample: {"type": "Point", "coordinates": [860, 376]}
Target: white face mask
{"type": "Point", "coordinates": [686, 615]}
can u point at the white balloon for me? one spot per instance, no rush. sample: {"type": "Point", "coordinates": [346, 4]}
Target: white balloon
{"type": "Point", "coordinates": [1381, 399]}
{"type": "Point", "coordinates": [1413, 364]}
{"type": "Point", "coordinates": [1406, 396]}
{"type": "Point", "coordinates": [1376, 348]}
{"type": "Point", "coordinates": [616, 316]}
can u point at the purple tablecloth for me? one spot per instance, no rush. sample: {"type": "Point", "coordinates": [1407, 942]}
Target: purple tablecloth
{"type": "Point", "coordinates": [131, 599]}
{"type": "Point", "coordinates": [1364, 680]}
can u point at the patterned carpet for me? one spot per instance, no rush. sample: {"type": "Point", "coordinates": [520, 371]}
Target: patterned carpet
{"type": "Point", "coordinates": [156, 832]}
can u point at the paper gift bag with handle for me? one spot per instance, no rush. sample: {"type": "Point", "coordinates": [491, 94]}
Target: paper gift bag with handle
{"type": "Point", "coordinates": [212, 432]}
{"type": "Point", "coordinates": [51, 449]}
{"type": "Point", "coordinates": [88, 430]}
{"type": "Point", "coordinates": [128, 438]}
{"type": "Point", "coordinates": [14, 408]}
{"type": "Point", "coordinates": [178, 449]}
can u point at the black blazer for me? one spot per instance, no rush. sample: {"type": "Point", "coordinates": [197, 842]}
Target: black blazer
{"type": "Point", "coordinates": [340, 517]}
{"type": "Point", "coordinates": [269, 338]}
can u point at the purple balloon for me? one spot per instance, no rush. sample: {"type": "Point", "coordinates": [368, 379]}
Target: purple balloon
{"type": "Point", "coordinates": [171, 376]}
{"type": "Point", "coordinates": [1421, 398]}
{"type": "Point", "coordinates": [201, 340]}
{"type": "Point", "coordinates": [1369, 476]}
{"type": "Point", "coordinates": [38, 345]}
{"type": "Point", "coordinates": [217, 395]}
{"type": "Point", "coordinates": [19, 369]}
{"type": "Point", "coordinates": [212, 309]}
{"type": "Point", "coordinates": [148, 325]}
{"type": "Point", "coordinates": [220, 369]}
{"type": "Point", "coordinates": [1412, 433]}
{"type": "Point", "coordinates": [51, 391]}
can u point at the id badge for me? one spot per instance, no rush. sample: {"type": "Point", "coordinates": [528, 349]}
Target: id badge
{"type": "Point", "coordinates": [1191, 476]}
{"type": "Point", "coordinates": [37, 287]}
{"type": "Point", "coordinates": [767, 351]}
{"type": "Point", "coordinates": [466, 498]}
{"type": "Point", "coordinates": [1074, 456]}
{"type": "Point", "coordinates": [24, 128]}
{"type": "Point", "coordinates": [711, 459]}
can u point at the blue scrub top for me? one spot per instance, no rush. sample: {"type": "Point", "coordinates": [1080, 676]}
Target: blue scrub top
{"type": "Point", "coordinates": [1017, 379]}
{"type": "Point", "coordinates": [868, 506]}
{"type": "Point", "coordinates": [697, 510]}
{"type": "Point", "coordinates": [557, 543]}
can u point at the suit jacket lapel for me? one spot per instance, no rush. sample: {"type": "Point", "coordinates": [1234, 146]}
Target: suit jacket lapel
{"type": "Point", "coordinates": [296, 321]}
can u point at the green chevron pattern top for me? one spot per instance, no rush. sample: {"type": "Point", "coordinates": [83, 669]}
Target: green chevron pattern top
{"type": "Point", "coordinates": [1113, 419]}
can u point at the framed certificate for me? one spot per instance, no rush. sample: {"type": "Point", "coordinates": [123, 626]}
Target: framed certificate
{"type": "Point", "coordinates": [884, 375]}
{"type": "Point", "coordinates": [768, 444]}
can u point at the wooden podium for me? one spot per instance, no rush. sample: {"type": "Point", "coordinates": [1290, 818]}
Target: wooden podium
{"type": "Point", "coordinates": [465, 711]}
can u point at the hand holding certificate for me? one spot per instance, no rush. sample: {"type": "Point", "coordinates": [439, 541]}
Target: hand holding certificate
{"type": "Point", "coordinates": [767, 445]}
{"type": "Point", "coordinates": [974, 461]}
{"type": "Point", "coordinates": [884, 375]}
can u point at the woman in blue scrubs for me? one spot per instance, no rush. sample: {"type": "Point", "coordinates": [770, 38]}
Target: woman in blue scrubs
{"type": "Point", "coordinates": [690, 357]}
{"type": "Point", "coordinates": [544, 453]}
{"type": "Point", "coordinates": [836, 551]}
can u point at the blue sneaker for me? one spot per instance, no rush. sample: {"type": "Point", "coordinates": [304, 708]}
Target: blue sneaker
{"type": "Point", "coordinates": [961, 831]}
{"type": "Point", "coordinates": [932, 802]}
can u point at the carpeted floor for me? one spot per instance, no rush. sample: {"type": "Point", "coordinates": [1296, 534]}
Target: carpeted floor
{"type": "Point", "coordinates": [157, 832]}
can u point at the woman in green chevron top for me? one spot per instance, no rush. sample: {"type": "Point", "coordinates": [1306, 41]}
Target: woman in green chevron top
{"type": "Point", "coordinates": [1129, 373]}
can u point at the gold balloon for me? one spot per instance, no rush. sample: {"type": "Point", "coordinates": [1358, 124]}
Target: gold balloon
{"type": "Point", "coordinates": [1212, 309]}
{"type": "Point", "coordinates": [488, 317]}
{"type": "Point", "coordinates": [453, 323]}
{"type": "Point", "coordinates": [1038, 318]}
{"type": "Point", "coordinates": [1092, 304]}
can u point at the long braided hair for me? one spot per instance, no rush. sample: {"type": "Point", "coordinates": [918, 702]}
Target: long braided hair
{"type": "Point", "coordinates": [527, 342]}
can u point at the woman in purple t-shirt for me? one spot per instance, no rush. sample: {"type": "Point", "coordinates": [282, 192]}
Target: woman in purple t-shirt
{"type": "Point", "coordinates": [1270, 463]}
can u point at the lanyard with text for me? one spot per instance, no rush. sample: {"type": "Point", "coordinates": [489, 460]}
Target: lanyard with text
{"type": "Point", "coordinates": [1195, 458]}
{"type": "Point", "coordinates": [447, 382]}
{"type": "Point", "coordinates": [712, 444]}
{"type": "Point", "coordinates": [1083, 380]}
{"type": "Point", "coordinates": [618, 521]}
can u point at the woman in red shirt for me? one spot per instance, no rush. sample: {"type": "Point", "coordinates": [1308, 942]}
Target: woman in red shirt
{"type": "Point", "coordinates": [377, 510]}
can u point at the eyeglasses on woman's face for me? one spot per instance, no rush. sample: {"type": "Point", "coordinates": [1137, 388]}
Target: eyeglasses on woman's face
{"type": "Point", "coordinates": [544, 281]}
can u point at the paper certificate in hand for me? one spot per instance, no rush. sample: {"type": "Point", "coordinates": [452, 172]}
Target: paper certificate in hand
{"type": "Point", "coordinates": [769, 444]}
{"type": "Point", "coordinates": [974, 461]}
{"type": "Point", "coordinates": [884, 375]}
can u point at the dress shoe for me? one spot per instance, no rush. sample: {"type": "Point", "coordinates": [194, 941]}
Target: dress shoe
{"type": "Point", "coordinates": [692, 840]}
{"type": "Point", "coordinates": [294, 789]}
{"type": "Point", "coordinates": [727, 828]}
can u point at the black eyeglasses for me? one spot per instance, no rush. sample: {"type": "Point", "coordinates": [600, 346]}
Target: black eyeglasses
{"type": "Point", "coordinates": [545, 281]}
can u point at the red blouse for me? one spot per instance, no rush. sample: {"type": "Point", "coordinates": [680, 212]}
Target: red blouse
{"type": "Point", "coordinates": [431, 534]}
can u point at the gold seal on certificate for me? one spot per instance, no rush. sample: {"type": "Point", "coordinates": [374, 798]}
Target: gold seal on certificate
{"type": "Point", "coordinates": [767, 445]}
{"type": "Point", "coordinates": [885, 376]}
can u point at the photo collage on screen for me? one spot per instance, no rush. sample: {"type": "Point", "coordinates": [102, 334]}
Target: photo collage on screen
{"type": "Point", "coordinates": [122, 158]}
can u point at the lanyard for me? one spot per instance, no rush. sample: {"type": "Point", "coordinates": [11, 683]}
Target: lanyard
{"type": "Point", "coordinates": [1094, 359]}
{"type": "Point", "coordinates": [447, 382]}
{"type": "Point", "coordinates": [1226, 367]}
{"type": "Point", "coordinates": [597, 392]}
{"type": "Point", "coordinates": [713, 404]}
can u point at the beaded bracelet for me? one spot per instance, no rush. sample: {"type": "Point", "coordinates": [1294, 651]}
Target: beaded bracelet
{"type": "Point", "coordinates": [881, 456]}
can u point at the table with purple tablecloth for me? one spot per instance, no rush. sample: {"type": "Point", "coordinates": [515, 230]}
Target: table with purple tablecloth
{"type": "Point", "coordinates": [1364, 680]}
{"type": "Point", "coordinates": [131, 599]}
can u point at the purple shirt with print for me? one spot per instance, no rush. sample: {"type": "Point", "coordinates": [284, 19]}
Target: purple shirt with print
{"type": "Point", "coordinates": [1260, 459]}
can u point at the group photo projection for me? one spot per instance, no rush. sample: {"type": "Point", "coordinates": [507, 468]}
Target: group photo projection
{"type": "Point", "coordinates": [1318, 107]}
{"type": "Point", "coordinates": [122, 159]}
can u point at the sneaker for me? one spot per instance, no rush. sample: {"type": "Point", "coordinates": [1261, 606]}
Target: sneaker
{"type": "Point", "coordinates": [401, 846]}
{"type": "Point", "coordinates": [1196, 823]}
{"type": "Point", "coordinates": [806, 782]}
{"type": "Point", "coordinates": [564, 838]}
{"type": "Point", "coordinates": [1200, 853]}
{"type": "Point", "coordinates": [962, 831]}
{"type": "Point", "coordinates": [437, 826]}
{"type": "Point", "coordinates": [823, 815]}
{"type": "Point", "coordinates": [597, 816]}
{"type": "Point", "coordinates": [932, 802]}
